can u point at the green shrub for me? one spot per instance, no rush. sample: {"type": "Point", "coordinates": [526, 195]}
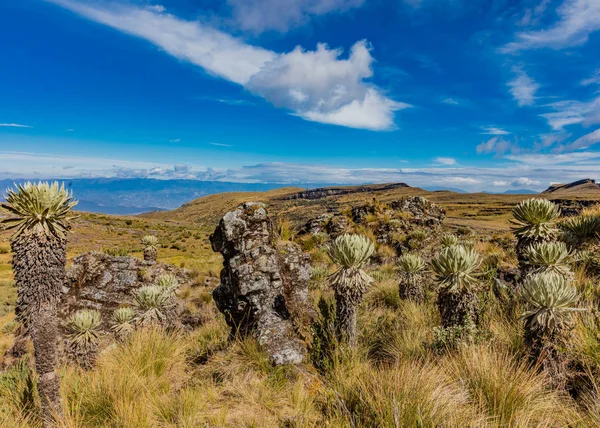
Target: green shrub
{"type": "Point", "coordinates": [116, 252]}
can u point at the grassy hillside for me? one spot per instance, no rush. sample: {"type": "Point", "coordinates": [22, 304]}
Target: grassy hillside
{"type": "Point", "coordinates": [400, 375]}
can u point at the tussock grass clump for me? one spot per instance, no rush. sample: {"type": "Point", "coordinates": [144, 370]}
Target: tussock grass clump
{"type": "Point", "coordinates": [409, 393]}
{"type": "Point", "coordinates": [507, 390]}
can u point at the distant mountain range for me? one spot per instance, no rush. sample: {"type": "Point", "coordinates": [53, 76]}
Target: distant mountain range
{"type": "Point", "coordinates": [521, 192]}
{"type": "Point", "coordinates": [138, 195]}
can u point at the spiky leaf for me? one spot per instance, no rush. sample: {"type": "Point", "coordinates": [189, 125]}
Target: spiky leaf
{"type": "Point", "coordinates": [38, 208]}
{"type": "Point", "coordinates": [551, 299]}
{"type": "Point", "coordinates": [535, 219]}
{"type": "Point", "coordinates": [123, 321]}
{"type": "Point", "coordinates": [448, 240]}
{"type": "Point", "coordinates": [455, 267]}
{"type": "Point", "coordinates": [411, 264]}
{"type": "Point", "coordinates": [84, 327]}
{"type": "Point", "coordinates": [550, 257]}
{"type": "Point", "coordinates": [168, 281]}
{"type": "Point", "coordinates": [150, 241]}
{"type": "Point", "coordinates": [153, 302]}
{"type": "Point", "coordinates": [581, 229]}
{"type": "Point", "coordinates": [352, 253]}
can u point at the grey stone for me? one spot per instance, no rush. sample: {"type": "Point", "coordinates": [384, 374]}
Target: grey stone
{"type": "Point", "coordinates": [264, 287]}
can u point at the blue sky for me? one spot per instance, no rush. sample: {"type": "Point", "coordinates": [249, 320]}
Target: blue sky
{"type": "Point", "coordinates": [473, 94]}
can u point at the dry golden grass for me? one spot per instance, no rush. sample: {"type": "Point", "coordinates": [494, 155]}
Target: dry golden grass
{"type": "Point", "coordinates": [394, 379]}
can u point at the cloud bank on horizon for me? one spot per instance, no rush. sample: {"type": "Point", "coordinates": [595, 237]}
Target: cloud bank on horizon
{"type": "Point", "coordinates": [511, 100]}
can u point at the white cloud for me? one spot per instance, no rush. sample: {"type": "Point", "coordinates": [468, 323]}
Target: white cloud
{"type": "Point", "coordinates": [572, 112]}
{"type": "Point", "coordinates": [450, 101]}
{"type": "Point", "coordinates": [525, 181]}
{"type": "Point", "coordinates": [492, 130]}
{"type": "Point", "coordinates": [69, 130]}
{"type": "Point", "coordinates": [445, 161]}
{"type": "Point", "coordinates": [526, 170]}
{"type": "Point", "coordinates": [583, 142]}
{"type": "Point", "coordinates": [261, 15]}
{"type": "Point", "coordinates": [545, 160]}
{"type": "Point", "coordinates": [315, 85]}
{"type": "Point", "coordinates": [517, 183]}
{"type": "Point", "coordinates": [218, 53]}
{"type": "Point", "coordinates": [497, 145]}
{"type": "Point", "coordinates": [577, 20]}
{"type": "Point", "coordinates": [14, 125]}
{"type": "Point", "coordinates": [523, 88]}
{"type": "Point", "coordinates": [319, 86]}
{"type": "Point", "coordinates": [594, 80]}
{"type": "Point", "coordinates": [220, 144]}
{"type": "Point", "coordinates": [176, 140]}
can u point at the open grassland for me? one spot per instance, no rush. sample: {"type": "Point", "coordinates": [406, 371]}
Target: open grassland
{"type": "Point", "coordinates": [397, 377]}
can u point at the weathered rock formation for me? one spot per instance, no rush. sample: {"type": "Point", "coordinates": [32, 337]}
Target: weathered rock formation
{"type": "Point", "coordinates": [324, 192]}
{"type": "Point", "coordinates": [316, 225]}
{"type": "Point", "coordinates": [424, 212]}
{"type": "Point", "coordinates": [264, 287]}
{"type": "Point", "coordinates": [102, 282]}
{"type": "Point", "coordinates": [573, 207]}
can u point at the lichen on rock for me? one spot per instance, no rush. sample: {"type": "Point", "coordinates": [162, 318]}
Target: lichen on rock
{"type": "Point", "coordinates": [264, 287]}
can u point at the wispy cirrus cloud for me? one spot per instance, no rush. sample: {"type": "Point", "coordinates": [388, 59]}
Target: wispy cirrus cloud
{"type": "Point", "coordinates": [493, 130]}
{"type": "Point", "coordinates": [258, 16]}
{"type": "Point", "coordinates": [593, 80]}
{"type": "Point", "coordinates": [319, 85]}
{"type": "Point", "coordinates": [577, 20]}
{"type": "Point", "coordinates": [583, 142]}
{"type": "Point", "coordinates": [14, 125]}
{"type": "Point", "coordinates": [572, 112]}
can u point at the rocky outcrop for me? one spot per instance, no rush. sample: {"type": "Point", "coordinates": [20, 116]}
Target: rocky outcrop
{"type": "Point", "coordinates": [316, 225]}
{"type": "Point", "coordinates": [102, 282]}
{"type": "Point", "coordinates": [264, 287]}
{"type": "Point", "coordinates": [338, 225]}
{"type": "Point", "coordinates": [573, 207]}
{"type": "Point", "coordinates": [324, 192]}
{"type": "Point", "coordinates": [423, 211]}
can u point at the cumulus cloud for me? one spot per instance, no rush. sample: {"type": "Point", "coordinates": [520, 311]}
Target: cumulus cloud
{"type": "Point", "coordinates": [523, 88]}
{"type": "Point", "coordinates": [577, 20]}
{"type": "Point", "coordinates": [316, 85]}
{"type": "Point", "coordinates": [261, 15]}
{"type": "Point", "coordinates": [320, 86]}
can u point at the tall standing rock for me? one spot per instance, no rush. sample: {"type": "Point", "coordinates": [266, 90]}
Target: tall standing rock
{"type": "Point", "coordinates": [264, 288]}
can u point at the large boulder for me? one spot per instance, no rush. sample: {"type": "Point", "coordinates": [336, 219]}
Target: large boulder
{"type": "Point", "coordinates": [264, 287]}
{"type": "Point", "coordinates": [103, 282]}
{"type": "Point", "coordinates": [424, 212]}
